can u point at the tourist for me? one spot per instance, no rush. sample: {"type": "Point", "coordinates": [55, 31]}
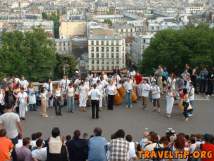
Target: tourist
{"type": "Point", "coordinates": [64, 86]}
{"type": "Point", "coordinates": [132, 148]}
{"type": "Point", "coordinates": [70, 98]}
{"type": "Point", "coordinates": [95, 97]}
{"type": "Point", "coordinates": [2, 94]}
{"type": "Point", "coordinates": [186, 104]}
{"type": "Point", "coordinates": [22, 100]}
{"type": "Point", "coordinates": [56, 150]}
{"type": "Point", "coordinates": [32, 97]}
{"type": "Point", "coordinates": [155, 90]}
{"type": "Point", "coordinates": [77, 148]}
{"type": "Point", "coordinates": [111, 91]}
{"type": "Point", "coordinates": [145, 88]}
{"type": "Point", "coordinates": [43, 108]}
{"type": "Point", "coordinates": [11, 122]}
{"type": "Point", "coordinates": [97, 146]}
{"type": "Point", "coordinates": [119, 147]}
{"type": "Point", "coordinates": [154, 142]}
{"type": "Point", "coordinates": [169, 101]}
{"type": "Point", "coordinates": [6, 146]}
{"type": "Point", "coordinates": [24, 153]}
{"type": "Point", "coordinates": [208, 145]}
{"type": "Point", "coordinates": [24, 83]}
{"type": "Point", "coordinates": [100, 87]}
{"type": "Point", "coordinates": [40, 153]}
{"type": "Point", "coordinates": [58, 100]}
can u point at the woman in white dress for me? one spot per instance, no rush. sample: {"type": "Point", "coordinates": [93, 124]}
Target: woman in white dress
{"type": "Point", "coordinates": [22, 102]}
{"type": "Point", "coordinates": [43, 109]}
{"type": "Point", "coordinates": [83, 96]}
{"type": "Point", "coordinates": [169, 101]}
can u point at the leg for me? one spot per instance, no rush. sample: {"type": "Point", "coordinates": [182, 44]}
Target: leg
{"type": "Point", "coordinates": [97, 109]}
{"type": "Point", "coordinates": [93, 104]}
{"type": "Point", "coordinates": [158, 104]}
{"type": "Point", "coordinates": [72, 104]}
{"type": "Point", "coordinates": [69, 104]}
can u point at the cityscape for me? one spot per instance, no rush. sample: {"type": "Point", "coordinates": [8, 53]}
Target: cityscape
{"type": "Point", "coordinates": [104, 34]}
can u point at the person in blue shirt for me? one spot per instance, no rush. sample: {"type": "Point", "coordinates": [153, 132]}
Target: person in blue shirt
{"type": "Point", "coordinates": [97, 146]}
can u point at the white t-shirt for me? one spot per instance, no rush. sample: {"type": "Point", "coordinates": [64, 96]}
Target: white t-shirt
{"type": "Point", "coordinates": [70, 91]}
{"type": "Point", "coordinates": [155, 92]}
{"type": "Point", "coordinates": [145, 89]}
{"type": "Point", "coordinates": [132, 151]}
{"type": "Point", "coordinates": [40, 154]}
{"type": "Point", "coordinates": [9, 121]}
{"type": "Point", "coordinates": [22, 97]}
{"type": "Point", "coordinates": [111, 89]}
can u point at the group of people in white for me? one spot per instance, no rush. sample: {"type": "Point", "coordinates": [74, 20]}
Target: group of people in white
{"type": "Point", "coordinates": [99, 91]}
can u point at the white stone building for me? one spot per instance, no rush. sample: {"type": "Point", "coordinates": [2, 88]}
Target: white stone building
{"type": "Point", "coordinates": [106, 53]}
{"type": "Point", "coordinates": [63, 46]}
{"type": "Point", "coordinates": [139, 44]}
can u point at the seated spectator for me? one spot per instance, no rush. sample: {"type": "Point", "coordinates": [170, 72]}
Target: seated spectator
{"type": "Point", "coordinates": [56, 151]}
{"type": "Point", "coordinates": [97, 146]}
{"type": "Point", "coordinates": [132, 152]}
{"type": "Point", "coordinates": [34, 138]}
{"type": "Point", "coordinates": [39, 154]}
{"type": "Point", "coordinates": [208, 145]}
{"type": "Point", "coordinates": [119, 147]}
{"type": "Point", "coordinates": [77, 148]}
{"type": "Point", "coordinates": [6, 146]}
{"type": "Point", "coordinates": [144, 141]}
{"type": "Point", "coordinates": [68, 138]}
{"type": "Point", "coordinates": [24, 153]}
{"type": "Point", "coordinates": [153, 137]}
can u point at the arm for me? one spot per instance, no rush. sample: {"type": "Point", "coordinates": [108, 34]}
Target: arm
{"type": "Point", "coordinates": [19, 126]}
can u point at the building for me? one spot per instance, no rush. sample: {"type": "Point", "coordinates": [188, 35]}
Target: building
{"type": "Point", "coordinates": [139, 44]}
{"type": "Point", "coordinates": [70, 29]}
{"type": "Point", "coordinates": [63, 46]}
{"type": "Point", "coordinates": [106, 53]}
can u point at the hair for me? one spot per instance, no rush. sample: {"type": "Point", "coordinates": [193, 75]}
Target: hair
{"type": "Point", "coordinates": [68, 137]}
{"type": "Point", "coordinates": [164, 140]}
{"type": "Point", "coordinates": [77, 134]}
{"type": "Point", "coordinates": [38, 135]}
{"type": "Point", "coordinates": [85, 136]}
{"type": "Point", "coordinates": [42, 90]}
{"type": "Point", "coordinates": [129, 138]}
{"type": "Point", "coordinates": [3, 132]}
{"type": "Point", "coordinates": [208, 138]}
{"type": "Point", "coordinates": [33, 136]}
{"type": "Point", "coordinates": [192, 139]}
{"type": "Point", "coordinates": [97, 131]}
{"type": "Point", "coordinates": [39, 142]}
{"type": "Point", "coordinates": [94, 86]}
{"type": "Point", "coordinates": [26, 141]}
{"type": "Point", "coordinates": [119, 134]}
{"type": "Point", "coordinates": [185, 91]}
{"type": "Point", "coordinates": [153, 137]}
{"type": "Point", "coordinates": [180, 141]}
{"type": "Point", "coordinates": [55, 132]}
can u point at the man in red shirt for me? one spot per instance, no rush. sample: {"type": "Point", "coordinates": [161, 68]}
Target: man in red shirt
{"type": "Point", "coordinates": [6, 146]}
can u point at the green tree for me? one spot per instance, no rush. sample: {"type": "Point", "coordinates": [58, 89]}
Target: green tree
{"type": "Point", "coordinates": [108, 21]}
{"type": "Point", "coordinates": [55, 18]}
{"type": "Point", "coordinates": [175, 48]}
{"type": "Point", "coordinates": [31, 54]}
{"type": "Point", "coordinates": [65, 65]}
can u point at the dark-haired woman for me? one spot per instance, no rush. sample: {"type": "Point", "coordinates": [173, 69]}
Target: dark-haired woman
{"type": "Point", "coordinates": [186, 104]}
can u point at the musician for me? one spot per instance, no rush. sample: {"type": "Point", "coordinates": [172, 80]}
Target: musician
{"type": "Point", "coordinates": [111, 91]}
{"type": "Point", "coordinates": [129, 87]}
{"type": "Point", "coordinates": [155, 89]}
{"type": "Point", "coordinates": [145, 88]}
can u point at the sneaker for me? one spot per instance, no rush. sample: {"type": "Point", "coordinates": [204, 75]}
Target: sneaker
{"type": "Point", "coordinates": [186, 119]}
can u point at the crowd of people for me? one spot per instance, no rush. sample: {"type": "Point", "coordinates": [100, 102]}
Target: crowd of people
{"type": "Point", "coordinates": [104, 91]}
{"type": "Point", "coordinates": [120, 147]}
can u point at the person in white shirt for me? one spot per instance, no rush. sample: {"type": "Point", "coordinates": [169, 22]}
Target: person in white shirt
{"type": "Point", "coordinates": [169, 101]}
{"type": "Point", "coordinates": [22, 99]}
{"type": "Point", "coordinates": [191, 96]}
{"type": "Point", "coordinates": [64, 86]}
{"type": "Point", "coordinates": [32, 97]}
{"type": "Point", "coordinates": [2, 94]}
{"type": "Point", "coordinates": [145, 88]}
{"type": "Point", "coordinates": [111, 91]}
{"type": "Point", "coordinates": [129, 87]}
{"type": "Point", "coordinates": [95, 97]}
{"type": "Point", "coordinates": [70, 98]}
{"type": "Point", "coordinates": [132, 152]}
{"type": "Point", "coordinates": [24, 83]}
{"type": "Point", "coordinates": [58, 97]}
{"type": "Point", "coordinates": [39, 154]}
{"type": "Point", "coordinates": [155, 89]}
{"type": "Point", "coordinates": [10, 121]}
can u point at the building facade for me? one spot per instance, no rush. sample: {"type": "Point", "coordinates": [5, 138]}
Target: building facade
{"type": "Point", "coordinates": [63, 46]}
{"type": "Point", "coordinates": [106, 53]}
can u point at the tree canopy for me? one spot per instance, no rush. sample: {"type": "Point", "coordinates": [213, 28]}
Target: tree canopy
{"type": "Point", "coordinates": [175, 48]}
{"type": "Point", "coordinates": [31, 54]}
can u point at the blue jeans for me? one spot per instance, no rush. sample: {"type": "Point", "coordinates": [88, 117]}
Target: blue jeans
{"type": "Point", "coordinates": [70, 105]}
{"type": "Point", "coordinates": [128, 99]}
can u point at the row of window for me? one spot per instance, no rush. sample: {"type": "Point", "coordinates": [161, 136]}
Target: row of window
{"type": "Point", "coordinates": [102, 68]}
{"type": "Point", "coordinates": [104, 56]}
{"type": "Point", "coordinates": [102, 62]}
{"type": "Point", "coordinates": [105, 42]}
{"type": "Point", "coordinates": [102, 49]}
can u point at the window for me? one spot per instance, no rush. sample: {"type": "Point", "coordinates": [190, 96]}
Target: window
{"type": "Point", "coordinates": [92, 48]}
{"type": "Point", "coordinates": [102, 49]}
{"type": "Point", "coordinates": [92, 42]}
{"type": "Point", "coordinates": [112, 55]}
{"type": "Point", "coordinates": [107, 48]}
{"type": "Point", "coordinates": [92, 55]}
{"type": "Point", "coordinates": [97, 61]}
{"type": "Point", "coordinates": [117, 56]}
{"type": "Point", "coordinates": [112, 48]}
{"type": "Point", "coordinates": [92, 62]}
{"type": "Point", "coordinates": [102, 42]}
{"type": "Point", "coordinates": [117, 49]}
{"type": "Point", "coordinates": [97, 55]}
{"type": "Point", "coordinates": [97, 49]}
